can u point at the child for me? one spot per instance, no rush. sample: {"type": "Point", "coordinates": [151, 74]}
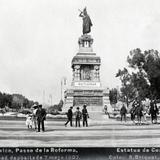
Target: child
{"type": "Point", "coordinates": [29, 121]}
{"type": "Point", "coordinates": [78, 116]}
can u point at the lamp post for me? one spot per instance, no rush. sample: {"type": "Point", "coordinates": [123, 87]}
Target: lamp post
{"type": "Point", "coordinates": [63, 83]}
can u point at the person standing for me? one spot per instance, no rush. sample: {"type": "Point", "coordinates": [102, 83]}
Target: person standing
{"type": "Point", "coordinates": [153, 111]}
{"type": "Point", "coordinates": [85, 116]}
{"type": "Point", "coordinates": [78, 116]}
{"type": "Point", "coordinates": [133, 110]}
{"type": "Point", "coordinates": [41, 116]}
{"type": "Point", "coordinates": [144, 112]}
{"type": "Point", "coordinates": [139, 112]}
{"type": "Point", "coordinates": [123, 113]}
{"type": "Point", "coordinates": [35, 108]}
{"type": "Point", "coordinates": [69, 116]}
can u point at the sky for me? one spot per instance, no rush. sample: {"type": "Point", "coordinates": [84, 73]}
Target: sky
{"type": "Point", "coordinates": [38, 39]}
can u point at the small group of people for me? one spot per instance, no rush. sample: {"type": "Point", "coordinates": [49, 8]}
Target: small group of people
{"type": "Point", "coordinates": [78, 116]}
{"type": "Point", "coordinates": [37, 118]}
{"type": "Point", "coordinates": [139, 110]}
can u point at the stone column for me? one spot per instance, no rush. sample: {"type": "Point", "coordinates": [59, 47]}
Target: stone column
{"type": "Point", "coordinates": [73, 74]}
{"type": "Point", "coordinates": [77, 72]}
{"type": "Point", "coordinates": [96, 72]}
{"type": "Point", "coordinates": [81, 75]}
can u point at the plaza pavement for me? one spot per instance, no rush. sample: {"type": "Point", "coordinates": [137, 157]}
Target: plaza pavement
{"type": "Point", "coordinates": [102, 132]}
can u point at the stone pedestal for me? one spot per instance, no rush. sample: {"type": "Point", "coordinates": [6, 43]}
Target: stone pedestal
{"type": "Point", "coordinates": [86, 87]}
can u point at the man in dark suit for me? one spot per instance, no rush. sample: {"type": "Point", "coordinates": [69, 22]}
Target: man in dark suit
{"type": "Point", "coordinates": [41, 116]}
{"type": "Point", "coordinates": [78, 116]}
{"type": "Point", "coordinates": [69, 116]}
{"type": "Point", "coordinates": [153, 111]}
{"type": "Point", "coordinates": [123, 113]}
{"type": "Point", "coordinates": [85, 116]}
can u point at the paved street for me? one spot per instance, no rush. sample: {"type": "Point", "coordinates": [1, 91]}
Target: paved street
{"type": "Point", "coordinates": [102, 132]}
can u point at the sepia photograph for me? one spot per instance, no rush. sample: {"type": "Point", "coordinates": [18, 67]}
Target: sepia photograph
{"type": "Point", "coordinates": [79, 79]}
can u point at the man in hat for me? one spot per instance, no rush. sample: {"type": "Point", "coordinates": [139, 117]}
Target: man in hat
{"type": "Point", "coordinates": [41, 116]}
{"type": "Point", "coordinates": [85, 116]}
{"type": "Point", "coordinates": [78, 116]}
{"type": "Point", "coordinates": [123, 113]}
{"type": "Point", "coordinates": [69, 116]}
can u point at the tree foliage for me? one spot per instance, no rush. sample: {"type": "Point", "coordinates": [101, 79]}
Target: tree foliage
{"type": "Point", "coordinates": [5, 100]}
{"type": "Point", "coordinates": [56, 108]}
{"type": "Point", "coordinates": [148, 65]}
{"type": "Point", "coordinates": [127, 90]}
{"type": "Point", "coordinates": [113, 95]}
{"type": "Point", "coordinates": [14, 101]}
{"type": "Point", "coordinates": [144, 81]}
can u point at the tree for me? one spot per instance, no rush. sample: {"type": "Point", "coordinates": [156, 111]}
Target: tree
{"type": "Point", "coordinates": [144, 81]}
{"type": "Point", "coordinates": [5, 100]}
{"type": "Point", "coordinates": [147, 65]}
{"type": "Point", "coordinates": [14, 101]}
{"type": "Point", "coordinates": [56, 108]}
{"type": "Point", "coordinates": [20, 101]}
{"type": "Point", "coordinates": [128, 91]}
{"type": "Point", "coordinates": [140, 84]}
{"type": "Point", "coordinates": [113, 93]}
{"type": "Point", "coordinates": [60, 105]}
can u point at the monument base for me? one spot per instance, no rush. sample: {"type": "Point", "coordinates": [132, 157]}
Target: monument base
{"type": "Point", "coordinates": [95, 98]}
{"type": "Point", "coordinates": [86, 88]}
